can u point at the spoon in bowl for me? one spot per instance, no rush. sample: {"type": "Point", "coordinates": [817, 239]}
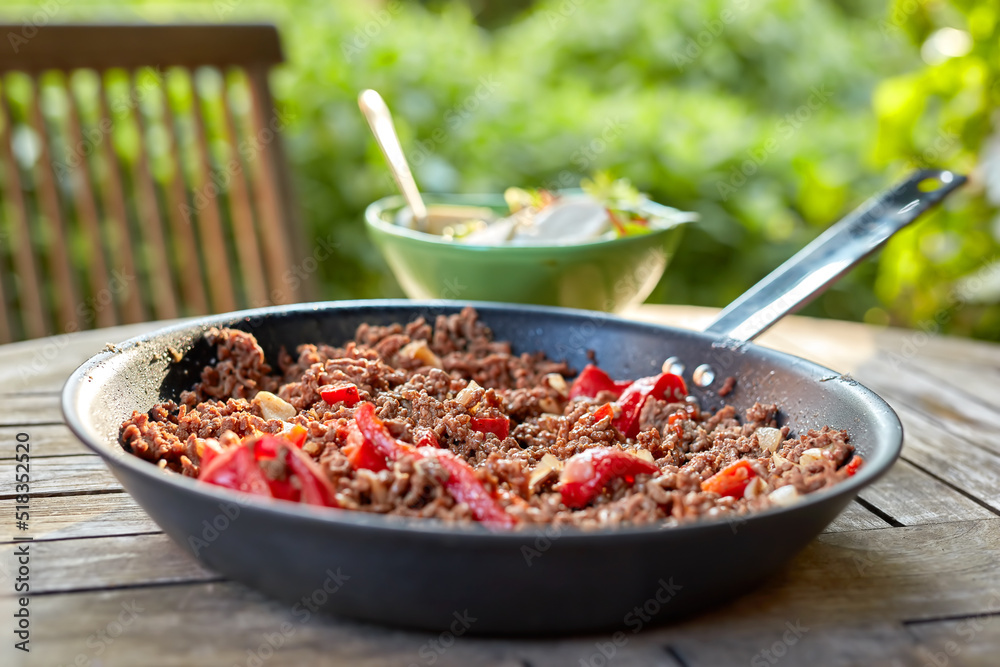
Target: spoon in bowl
{"type": "Point", "coordinates": [380, 121]}
{"type": "Point", "coordinates": [432, 220]}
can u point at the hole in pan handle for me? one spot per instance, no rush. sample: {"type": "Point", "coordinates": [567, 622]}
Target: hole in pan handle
{"type": "Point", "coordinates": [832, 254]}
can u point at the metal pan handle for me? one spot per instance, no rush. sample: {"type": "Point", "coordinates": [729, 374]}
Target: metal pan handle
{"type": "Point", "coordinates": [807, 274]}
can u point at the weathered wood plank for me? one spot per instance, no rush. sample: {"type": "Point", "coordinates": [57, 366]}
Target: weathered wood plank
{"type": "Point", "coordinates": [850, 586]}
{"type": "Point", "coordinates": [46, 440]}
{"type": "Point", "coordinates": [28, 409]}
{"type": "Point", "coordinates": [108, 562]}
{"type": "Point", "coordinates": [794, 642]}
{"type": "Point", "coordinates": [61, 475]}
{"type": "Point", "coordinates": [931, 447]}
{"type": "Point", "coordinates": [974, 640]}
{"type": "Point", "coordinates": [978, 379]}
{"type": "Point", "coordinates": [97, 515]}
{"type": "Point", "coordinates": [844, 583]}
{"type": "Point", "coordinates": [227, 624]}
{"type": "Point", "coordinates": [859, 576]}
{"type": "Point", "coordinates": [908, 573]}
{"type": "Point", "coordinates": [958, 413]}
{"type": "Point", "coordinates": [912, 497]}
{"type": "Point", "coordinates": [856, 517]}
{"type": "Point", "coordinates": [43, 365]}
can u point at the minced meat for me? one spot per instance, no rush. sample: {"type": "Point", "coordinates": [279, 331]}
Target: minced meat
{"type": "Point", "coordinates": [414, 375]}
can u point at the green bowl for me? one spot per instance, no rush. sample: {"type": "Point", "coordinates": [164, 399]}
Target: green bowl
{"type": "Point", "coordinates": [608, 275]}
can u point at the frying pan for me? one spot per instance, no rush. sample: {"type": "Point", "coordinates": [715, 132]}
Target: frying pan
{"type": "Point", "coordinates": [426, 574]}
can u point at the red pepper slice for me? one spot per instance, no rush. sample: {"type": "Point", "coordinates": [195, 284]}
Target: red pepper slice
{"type": "Point", "coordinates": [731, 480]}
{"type": "Point", "coordinates": [378, 435]}
{"type": "Point", "coordinates": [498, 426]}
{"type": "Point", "coordinates": [592, 380]}
{"type": "Point", "coordinates": [317, 489]}
{"type": "Point", "coordinates": [585, 474]}
{"type": "Point", "coordinates": [235, 468]}
{"type": "Point", "coordinates": [606, 410]}
{"type": "Point", "coordinates": [267, 447]}
{"type": "Point", "coordinates": [853, 465]}
{"type": "Point", "coordinates": [208, 453]}
{"type": "Point", "coordinates": [296, 435]}
{"type": "Point", "coordinates": [426, 437]}
{"type": "Point", "coordinates": [346, 393]}
{"type": "Point", "coordinates": [665, 386]}
{"type": "Point", "coordinates": [362, 453]}
{"type": "Point", "coordinates": [673, 421]}
{"type": "Point", "coordinates": [283, 489]}
{"type": "Point", "coordinates": [462, 482]}
{"type": "Point", "coordinates": [465, 487]}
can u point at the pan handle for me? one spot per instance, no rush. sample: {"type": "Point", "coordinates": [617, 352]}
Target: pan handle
{"type": "Point", "coordinates": [814, 268]}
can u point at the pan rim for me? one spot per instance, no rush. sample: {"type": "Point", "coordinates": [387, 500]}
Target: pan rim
{"type": "Point", "coordinates": [429, 527]}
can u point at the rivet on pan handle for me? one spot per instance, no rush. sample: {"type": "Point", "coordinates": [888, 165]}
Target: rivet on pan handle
{"type": "Point", "coordinates": [807, 274]}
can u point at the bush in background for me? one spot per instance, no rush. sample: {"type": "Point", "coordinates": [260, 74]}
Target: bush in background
{"type": "Point", "coordinates": [770, 119]}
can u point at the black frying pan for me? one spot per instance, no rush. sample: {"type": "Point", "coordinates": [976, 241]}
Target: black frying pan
{"type": "Point", "coordinates": [423, 573]}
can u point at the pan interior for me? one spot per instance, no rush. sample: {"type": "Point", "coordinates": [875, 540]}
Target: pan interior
{"type": "Point", "coordinates": [143, 371]}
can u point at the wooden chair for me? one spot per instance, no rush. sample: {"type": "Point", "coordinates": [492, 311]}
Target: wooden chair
{"type": "Point", "coordinates": [141, 176]}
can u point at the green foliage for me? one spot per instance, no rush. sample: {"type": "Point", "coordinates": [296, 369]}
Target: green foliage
{"type": "Point", "coordinates": [770, 119]}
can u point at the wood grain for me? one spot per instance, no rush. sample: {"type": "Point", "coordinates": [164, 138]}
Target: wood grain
{"type": "Point", "coordinates": [970, 641]}
{"type": "Point", "coordinates": [915, 582]}
{"type": "Point", "coordinates": [68, 46]}
{"type": "Point", "coordinates": [108, 562]}
{"type": "Point", "coordinates": [34, 312]}
{"type": "Point", "coordinates": [44, 441]}
{"type": "Point", "coordinates": [858, 577]}
{"type": "Point", "coordinates": [913, 497]}
{"type": "Point", "coordinates": [793, 642]}
{"type": "Point", "coordinates": [31, 409]}
{"type": "Point", "coordinates": [61, 476]}
{"type": "Point", "coordinates": [94, 515]}
{"type": "Point", "coordinates": [42, 366]}
{"type": "Point", "coordinates": [66, 294]}
{"type": "Point", "coordinates": [223, 621]}
{"type": "Point", "coordinates": [856, 517]}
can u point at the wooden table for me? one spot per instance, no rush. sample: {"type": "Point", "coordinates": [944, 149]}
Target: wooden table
{"type": "Point", "coordinates": [908, 575]}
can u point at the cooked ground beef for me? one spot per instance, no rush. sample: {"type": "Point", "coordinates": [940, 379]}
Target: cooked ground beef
{"type": "Point", "coordinates": [420, 379]}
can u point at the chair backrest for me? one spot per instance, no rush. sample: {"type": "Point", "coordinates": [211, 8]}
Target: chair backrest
{"type": "Point", "coordinates": [141, 176]}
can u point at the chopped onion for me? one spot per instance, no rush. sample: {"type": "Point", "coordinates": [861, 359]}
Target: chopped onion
{"type": "Point", "coordinates": [547, 466]}
{"type": "Point", "coordinates": [644, 454]}
{"type": "Point", "coordinates": [549, 405]}
{"type": "Point", "coordinates": [558, 382]}
{"type": "Point", "coordinates": [784, 496]}
{"type": "Point", "coordinates": [418, 350]}
{"type": "Point", "coordinates": [273, 407]}
{"type": "Point", "coordinates": [468, 395]}
{"type": "Point", "coordinates": [811, 456]}
{"type": "Point", "coordinates": [769, 438]}
{"type": "Point", "coordinates": [778, 459]}
{"type": "Point", "coordinates": [756, 487]}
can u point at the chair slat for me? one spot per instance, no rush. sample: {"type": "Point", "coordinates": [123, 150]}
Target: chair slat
{"type": "Point", "coordinates": [164, 304]}
{"type": "Point", "coordinates": [150, 224]}
{"type": "Point", "coordinates": [122, 246]}
{"type": "Point", "coordinates": [245, 235]}
{"type": "Point", "coordinates": [86, 209]}
{"type": "Point", "coordinates": [294, 231]}
{"type": "Point", "coordinates": [265, 174]}
{"type": "Point", "coordinates": [191, 276]}
{"type": "Point", "coordinates": [61, 267]}
{"type": "Point", "coordinates": [34, 314]}
{"type": "Point", "coordinates": [209, 218]}
{"type": "Point", "coordinates": [100, 47]}
{"type": "Point", "coordinates": [6, 332]}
